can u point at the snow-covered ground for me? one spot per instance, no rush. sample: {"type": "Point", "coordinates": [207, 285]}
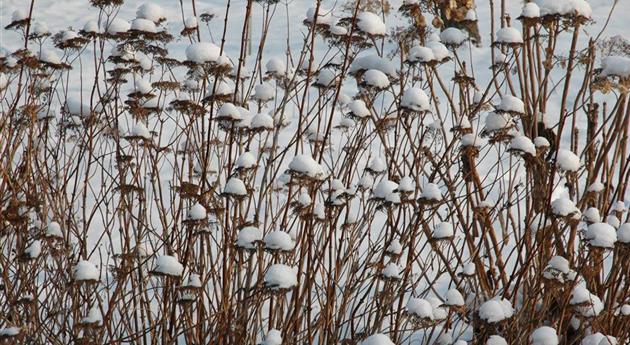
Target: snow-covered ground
{"type": "Point", "coordinates": [362, 211]}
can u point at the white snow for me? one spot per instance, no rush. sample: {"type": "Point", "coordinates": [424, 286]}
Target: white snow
{"type": "Point", "coordinates": [496, 340]}
{"type": "Point", "coordinates": [191, 22]}
{"type": "Point", "coordinates": [9, 332]}
{"type": "Point", "coordinates": [595, 187]}
{"type": "Point", "coordinates": [530, 10]}
{"type": "Point", "coordinates": [143, 25]}
{"type": "Point", "coordinates": [262, 121]}
{"type": "Point", "coordinates": [4, 81]}
{"type": "Point", "coordinates": [117, 26]}
{"type": "Point", "coordinates": [141, 131]}
{"type": "Point", "coordinates": [276, 67]}
{"type": "Point", "coordinates": [623, 233]}
{"type": "Point", "coordinates": [246, 160]}
{"type": "Point", "coordinates": [325, 78]}
{"type": "Point", "coordinates": [564, 207]}
{"type": "Point", "coordinates": [541, 142]}
{"type": "Point", "coordinates": [358, 108]}
{"type": "Point", "coordinates": [371, 24]}
{"type": "Point", "coordinates": [592, 215]}
{"type": "Point", "coordinates": [50, 56]}
{"type": "Point", "coordinates": [324, 16]}
{"type": "Point", "coordinates": [512, 104]}
{"type": "Point", "coordinates": [54, 230]}
{"type": "Point", "coordinates": [588, 304]}
{"type": "Point", "coordinates": [40, 29]}
{"type": "Point", "coordinates": [416, 99]}
{"type": "Point", "coordinates": [377, 339]}
{"type": "Point", "coordinates": [420, 308]}
{"type": "Point", "coordinates": [564, 7]}
{"type": "Point", "coordinates": [443, 230]}
{"type": "Point", "coordinates": [194, 281]}
{"type": "Point", "coordinates": [273, 337]}
{"type": "Point", "coordinates": [616, 66]}
{"type": "Point", "coordinates": [150, 11]}
{"type": "Point", "coordinates": [235, 187]}
{"type": "Point", "coordinates": [431, 191]}
{"type": "Point", "coordinates": [248, 237]}
{"type": "Point", "coordinates": [376, 79]}
{"type": "Point", "coordinates": [279, 240]}
{"type": "Point", "coordinates": [407, 185]}
{"type": "Point", "coordinates": [263, 92]}
{"type": "Point", "coordinates": [472, 140]}
{"type": "Point", "coordinates": [544, 335]}
{"type": "Point", "coordinates": [453, 36]}
{"type": "Point", "coordinates": [365, 62]}
{"type": "Point", "coordinates": [85, 271]}
{"type": "Point", "coordinates": [394, 247]}
{"type": "Point", "coordinates": [496, 310]}
{"type": "Point", "coordinates": [601, 235]}
{"type": "Point", "coordinates": [229, 111]}
{"type": "Point", "coordinates": [497, 121]}
{"type": "Point", "coordinates": [560, 264]}
{"type": "Point", "coordinates": [454, 298]}
{"type": "Point", "coordinates": [567, 160]}
{"type": "Point", "coordinates": [392, 271]}
{"type": "Point", "coordinates": [221, 87]}
{"type": "Point", "coordinates": [377, 165]}
{"type": "Point", "coordinates": [18, 15]}
{"type": "Point", "coordinates": [280, 276]}
{"type": "Point", "coordinates": [168, 265]}
{"type": "Point", "coordinates": [509, 35]}
{"type": "Point", "coordinates": [613, 221]}
{"type": "Point", "coordinates": [197, 212]}
{"type": "Point", "coordinates": [93, 317]}
{"type": "Point", "coordinates": [33, 250]}
{"type": "Point", "coordinates": [384, 188]}
{"type": "Point", "coordinates": [202, 52]}
{"type": "Point", "coordinates": [420, 54]}
{"type": "Point", "coordinates": [306, 165]}
{"type": "Point", "coordinates": [523, 144]}
{"type": "Point", "coordinates": [440, 52]}
{"type": "Point", "coordinates": [599, 339]}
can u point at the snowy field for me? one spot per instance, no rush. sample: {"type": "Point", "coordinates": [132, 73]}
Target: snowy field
{"type": "Point", "coordinates": [305, 172]}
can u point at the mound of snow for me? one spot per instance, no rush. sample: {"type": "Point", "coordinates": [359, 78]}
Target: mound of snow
{"type": "Point", "coordinates": [85, 271]}
{"type": "Point", "coordinates": [279, 240]}
{"type": "Point", "coordinates": [511, 103]}
{"type": "Point", "coordinates": [235, 186]}
{"type": "Point", "coordinates": [420, 54]}
{"type": "Point", "coordinates": [376, 79]}
{"type": "Point", "coordinates": [197, 212]}
{"type": "Point", "coordinates": [150, 11]}
{"type": "Point", "coordinates": [280, 276]}
{"type": "Point", "coordinates": [168, 265]}
{"type": "Point", "coordinates": [443, 230]}
{"type": "Point", "coordinates": [305, 164]}
{"type": "Point", "coordinates": [248, 237]}
{"type": "Point", "coordinates": [530, 10]}
{"type": "Point", "coordinates": [601, 235]}
{"type": "Point", "coordinates": [420, 308]}
{"type": "Point", "coordinates": [523, 144]}
{"type": "Point", "coordinates": [416, 99]}
{"type": "Point", "coordinates": [544, 336]}
{"type": "Point", "coordinates": [496, 310]}
{"type": "Point", "coordinates": [453, 36]}
{"type": "Point", "coordinates": [509, 35]}
{"type": "Point", "coordinates": [564, 7]}
{"type": "Point", "coordinates": [202, 52]}
{"type": "Point", "coordinates": [567, 160]}
{"type": "Point", "coordinates": [616, 66]}
{"type": "Point", "coordinates": [371, 24]}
